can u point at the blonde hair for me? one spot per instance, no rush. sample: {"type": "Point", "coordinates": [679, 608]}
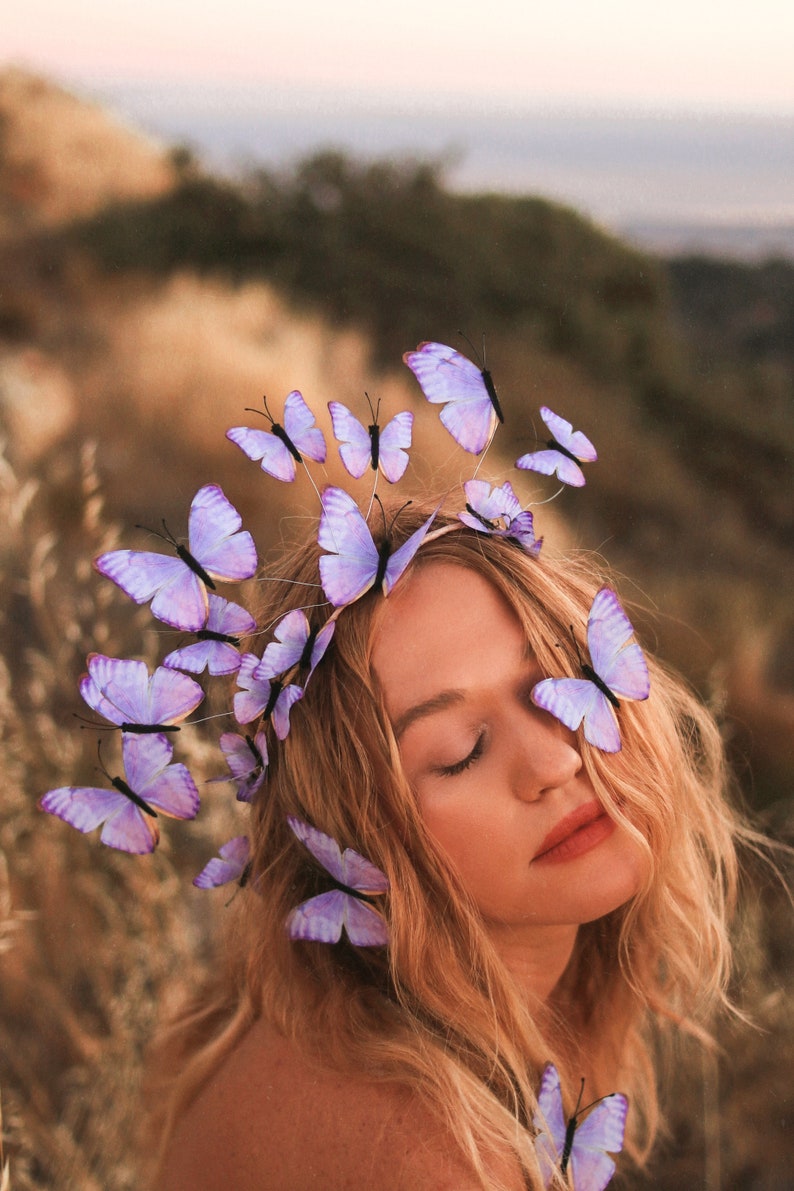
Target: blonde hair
{"type": "Point", "coordinates": [438, 1011]}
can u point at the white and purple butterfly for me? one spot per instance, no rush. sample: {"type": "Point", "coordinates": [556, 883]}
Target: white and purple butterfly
{"type": "Point", "coordinates": [128, 812]}
{"type": "Point", "coordinates": [354, 563]}
{"type": "Point", "coordinates": [177, 587]}
{"type": "Point", "coordinates": [362, 447]}
{"type": "Point", "coordinates": [216, 648]}
{"type": "Point", "coordinates": [278, 450]}
{"type": "Point", "coordinates": [498, 511]}
{"type": "Point", "coordinates": [296, 645]}
{"type": "Point", "coordinates": [247, 759]}
{"type": "Point", "coordinates": [259, 695]}
{"type": "Point", "coordinates": [125, 693]}
{"type": "Point", "coordinates": [618, 669]}
{"type": "Point", "coordinates": [585, 1147]}
{"type": "Point", "coordinates": [322, 918]}
{"type": "Point", "coordinates": [567, 448]}
{"type": "Point", "coordinates": [231, 864]}
{"type": "Point", "coordinates": [471, 406]}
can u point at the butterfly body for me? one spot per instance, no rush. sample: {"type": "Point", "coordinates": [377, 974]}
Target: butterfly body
{"type": "Point", "coordinates": [583, 1145]}
{"type": "Point", "coordinates": [471, 406]}
{"type": "Point", "coordinates": [566, 450]}
{"type": "Point", "coordinates": [216, 646]}
{"type": "Point", "coordinates": [618, 670]}
{"type": "Point", "coordinates": [372, 446]}
{"type": "Point", "coordinates": [278, 449]}
{"type": "Point", "coordinates": [177, 587]}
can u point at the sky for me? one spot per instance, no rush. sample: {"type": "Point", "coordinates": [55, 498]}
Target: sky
{"type": "Point", "coordinates": [695, 54]}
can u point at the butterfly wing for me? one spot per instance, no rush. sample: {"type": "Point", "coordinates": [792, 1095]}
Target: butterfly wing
{"type": "Point", "coordinates": [323, 847]}
{"type": "Point", "coordinates": [364, 925]}
{"type": "Point", "coordinates": [266, 449]}
{"type": "Point", "coordinates": [284, 704]}
{"type": "Point", "coordinates": [350, 567]}
{"type": "Point", "coordinates": [549, 1121]}
{"type": "Point", "coordinates": [446, 376]}
{"type": "Point", "coordinates": [168, 788]}
{"type": "Point", "coordinates": [393, 445]}
{"type": "Point", "coordinates": [573, 440]}
{"type": "Point", "coordinates": [621, 666]}
{"type": "Point", "coordinates": [399, 560]}
{"type": "Point", "coordinates": [126, 827]}
{"type": "Point", "coordinates": [251, 700]}
{"type": "Point", "coordinates": [178, 596]}
{"type": "Point", "coordinates": [598, 1136]}
{"type": "Point", "coordinates": [246, 769]}
{"type": "Point", "coordinates": [291, 633]}
{"type": "Point", "coordinates": [216, 539]}
{"type": "Point", "coordinates": [573, 700]}
{"type": "Point", "coordinates": [300, 428]}
{"type": "Point", "coordinates": [319, 919]}
{"type": "Point", "coordinates": [355, 444]}
{"type": "Point", "coordinates": [550, 462]}
{"type": "Point", "coordinates": [228, 866]}
{"type": "Point", "coordinates": [360, 873]}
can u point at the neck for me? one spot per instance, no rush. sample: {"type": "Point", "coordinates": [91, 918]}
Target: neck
{"type": "Point", "coordinates": [537, 956]}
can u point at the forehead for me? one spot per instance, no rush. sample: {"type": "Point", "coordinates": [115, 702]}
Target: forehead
{"type": "Point", "coordinates": [445, 628]}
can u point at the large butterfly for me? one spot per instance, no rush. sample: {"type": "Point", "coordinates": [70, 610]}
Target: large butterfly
{"type": "Point", "coordinates": [471, 406]}
{"type": "Point", "coordinates": [261, 696]}
{"type": "Point", "coordinates": [177, 587]}
{"type": "Point", "coordinates": [231, 864]}
{"type": "Point", "coordinates": [216, 649]}
{"type": "Point", "coordinates": [498, 511]}
{"type": "Point", "coordinates": [126, 694]}
{"type": "Point", "coordinates": [322, 918]}
{"type": "Point", "coordinates": [567, 448]}
{"type": "Point", "coordinates": [354, 563]}
{"type": "Point", "coordinates": [295, 645]}
{"type": "Point", "coordinates": [247, 759]}
{"type": "Point", "coordinates": [618, 669]}
{"type": "Point", "coordinates": [128, 812]}
{"type": "Point", "coordinates": [362, 447]}
{"type": "Point", "coordinates": [584, 1147]}
{"type": "Point", "coordinates": [281, 447]}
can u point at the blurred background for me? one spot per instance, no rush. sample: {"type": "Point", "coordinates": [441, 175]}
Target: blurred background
{"type": "Point", "coordinates": [201, 206]}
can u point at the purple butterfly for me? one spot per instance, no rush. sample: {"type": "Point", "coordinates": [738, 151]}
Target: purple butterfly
{"type": "Point", "coordinates": [567, 449]}
{"type": "Point", "coordinates": [281, 447]}
{"type": "Point", "coordinates": [585, 1147]}
{"type": "Point", "coordinates": [233, 865]}
{"type": "Point", "coordinates": [216, 649]}
{"type": "Point", "coordinates": [177, 587]}
{"type": "Point", "coordinates": [126, 694]}
{"type": "Point", "coordinates": [354, 563]}
{"type": "Point", "coordinates": [321, 918]}
{"type": "Point", "coordinates": [372, 447]}
{"type": "Point", "coordinates": [129, 811]}
{"type": "Point", "coordinates": [247, 759]}
{"type": "Point", "coordinates": [295, 645]}
{"type": "Point", "coordinates": [617, 669]}
{"type": "Point", "coordinates": [498, 511]}
{"type": "Point", "coordinates": [259, 696]}
{"type": "Point", "coordinates": [472, 406]}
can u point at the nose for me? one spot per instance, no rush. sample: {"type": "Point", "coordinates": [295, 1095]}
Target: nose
{"type": "Point", "coordinates": [546, 756]}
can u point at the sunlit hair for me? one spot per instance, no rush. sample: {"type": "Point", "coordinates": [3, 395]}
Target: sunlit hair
{"type": "Point", "coordinates": [438, 1010]}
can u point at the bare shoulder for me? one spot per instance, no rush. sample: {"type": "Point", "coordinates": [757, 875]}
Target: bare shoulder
{"type": "Point", "coordinates": [269, 1120]}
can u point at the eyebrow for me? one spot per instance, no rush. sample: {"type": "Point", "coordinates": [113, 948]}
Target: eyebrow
{"type": "Point", "coordinates": [438, 703]}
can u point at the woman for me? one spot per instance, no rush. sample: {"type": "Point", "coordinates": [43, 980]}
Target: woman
{"type": "Point", "coordinates": [547, 901]}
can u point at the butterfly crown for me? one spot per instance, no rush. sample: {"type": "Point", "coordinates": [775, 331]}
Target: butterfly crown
{"type": "Point", "coordinates": [181, 588]}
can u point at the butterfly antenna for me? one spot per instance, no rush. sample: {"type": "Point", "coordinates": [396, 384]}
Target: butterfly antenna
{"type": "Point", "coordinates": [374, 410]}
{"type": "Point", "coordinates": [479, 356]}
{"type": "Point", "coordinates": [85, 723]}
{"type": "Point", "coordinates": [578, 653]}
{"type": "Point", "coordinates": [164, 537]}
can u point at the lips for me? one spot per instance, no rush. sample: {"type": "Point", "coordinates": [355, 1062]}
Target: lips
{"type": "Point", "coordinates": [575, 824]}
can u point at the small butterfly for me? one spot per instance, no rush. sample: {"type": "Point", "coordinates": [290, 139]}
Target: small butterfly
{"type": "Point", "coordinates": [372, 447]}
{"type": "Point", "coordinates": [128, 812]}
{"type": "Point", "coordinates": [231, 864]}
{"type": "Point", "coordinates": [295, 645]}
{"type": "Point", "coordinates": [177, 587]}
{"type": "Point", "coordinates": [472, 406]}
{"type": "Point", "coordinates": [567, 449]}
{"type": "Point", "coordinates": [322, 918]}
{"type": "Point", "coordinates": [281, 447]}
{"type": "Point", "coordinates": [584, 1147]}
{"type": "Point", "coordinates": [247, 759]}
{"type": "Point", "coordinates": [126, 694]}
{"type": "Point", "coordinates": [259, 696]}
{"type": "Point", "coordinates": [617, 669]}
{"type": "Point", "coordinates": [354, 563]}
{"type": "Point", "coordinates": [498, 511]}
{"type": "Point", "coordinates": [216, 648]}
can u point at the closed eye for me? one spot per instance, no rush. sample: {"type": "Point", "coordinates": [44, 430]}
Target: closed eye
{"type": "Point", "coordinates": [465, 762]}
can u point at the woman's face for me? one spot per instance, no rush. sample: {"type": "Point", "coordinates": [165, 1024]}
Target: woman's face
{"type": "Point", "coordinates": [500, 782]}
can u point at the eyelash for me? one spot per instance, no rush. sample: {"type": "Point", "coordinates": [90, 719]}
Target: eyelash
{"type": "Point", "coordinates": [461, 766]}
